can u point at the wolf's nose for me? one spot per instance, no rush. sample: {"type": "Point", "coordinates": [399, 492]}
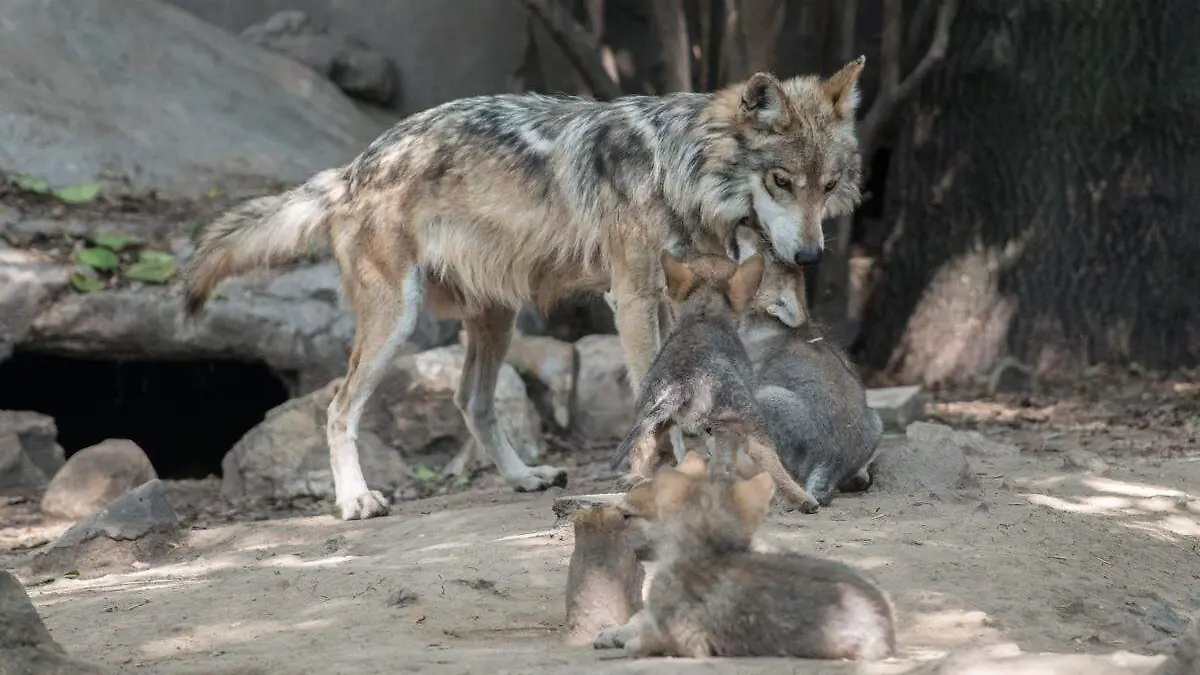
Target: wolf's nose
{"type": "Point", "coordinates": [808, 255]}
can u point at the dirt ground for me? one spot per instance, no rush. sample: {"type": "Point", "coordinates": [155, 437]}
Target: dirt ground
{"type": "Point", "coordinates": [1088, 542]}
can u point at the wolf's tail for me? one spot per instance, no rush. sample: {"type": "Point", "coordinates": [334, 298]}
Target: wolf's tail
{"type": "Point", "coordinates": [649, 421]}
{"type": "Point", "coordinates": [259, 233]}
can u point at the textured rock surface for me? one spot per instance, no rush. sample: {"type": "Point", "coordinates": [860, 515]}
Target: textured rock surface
{"type": "Point", "coordinates": [94, 476]}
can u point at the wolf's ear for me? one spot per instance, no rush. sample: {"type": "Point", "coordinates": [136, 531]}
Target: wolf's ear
{"type": "Point", "coordinates": [786, 308]}
{"type": "Point", "coordinates": [763, 102]}
{"type": "Point", "coordinates": [842, 87]}
{"type": "Point", "coordinates": [670, 489]}
{"type": "Point", "coordinates": [752, 499]}
{"type": "Point", "coordinates": [692, 464]}
{"type": "Point", "coordinates": [743, 286]}
{"type": "Point", "coordinates": [680, 278]}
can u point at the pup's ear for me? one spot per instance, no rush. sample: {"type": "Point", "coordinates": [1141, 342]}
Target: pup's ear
{"type": "Point", "coordinates": [764, 104]}
{"type": "Point", "coordinates": [692, 464]}
{"type": "Point", "coordinates": [842, 87]}
{"type": "Point", "coordinates": [670, 489]}
{"type": "Point", "coordinates": [745, 282]}
{"type": "Point", "coordinates": [752, 499]}
{"type": "Point", "coordinates": [680, 278]}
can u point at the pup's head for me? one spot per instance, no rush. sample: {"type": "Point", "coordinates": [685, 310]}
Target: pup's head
{"type": "Point", "coordinates": [685, 500]}
{"type": "Point", "coordinates": [786, 155]}
{"type": "Point", "coordinates": [713, 279]}
{"type": "Point", "coordinates": [781, 295]}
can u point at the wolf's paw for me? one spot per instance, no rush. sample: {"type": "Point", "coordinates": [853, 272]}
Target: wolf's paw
{"type": "Point", "coordinates": [369, 504]}
{"type": "Point", "coordinates": [805, 504]}
{"type": "Point", "coordinates": [538, 478]}
{"type": "Point", "coordinates": [611, 638]}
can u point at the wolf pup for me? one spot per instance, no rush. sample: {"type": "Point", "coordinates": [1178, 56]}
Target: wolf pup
{"type": "Point", "coordinates": [813, 401]}
{"type": "Point", "coordinates": [712, 595]}
{"type": "Point", "coordinates": [702, 379]}
{"type": "Point", "coordinates": [477, 206]}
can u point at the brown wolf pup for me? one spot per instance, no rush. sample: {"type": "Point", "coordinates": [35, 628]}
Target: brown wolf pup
{"type": "Point", "coordinates": [702, 379]}
{"type": "Point", "coordinates": [477, 206]}
{"type": "Point", "coordinates": [813, 401]}
{"type": "Point", "coordinates": [712, 595]}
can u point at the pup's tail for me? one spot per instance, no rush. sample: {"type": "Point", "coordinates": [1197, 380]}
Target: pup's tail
{"type": "Point", "coordinates": [261, 232]}
{"type": "Point", "coordinates": [651, 418]}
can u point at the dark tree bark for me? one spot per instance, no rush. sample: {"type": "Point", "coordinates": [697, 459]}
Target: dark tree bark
{"type": "Point", "coordinates": [1042, 195]}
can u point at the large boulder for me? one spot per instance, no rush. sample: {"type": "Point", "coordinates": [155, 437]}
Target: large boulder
{"type": "Point", "coordinates": [602, 408]}
{"type": "Point", "coordinates": [94, 476]}
{"type": "Point", "coordinates": [355, 68]}
{"type": "Point", "coordinates": [81, 103]}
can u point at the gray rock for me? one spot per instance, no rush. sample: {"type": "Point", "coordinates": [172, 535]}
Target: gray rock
{"type": "Point", "coordinates": [1082, 460]}
{"type": "Point", "coordinates": [26, 647]}
{"type": "Point", "coordinates": [908, 467]}
{"type": "Point", "coordinates": [294, 321]}
{"type": "Point", "coordinates": [38, 435]}
{"type": "Point", "coordinates": [602, 408]}
{"type": "Point", "coordinates": [970, 442]}
{"type": "Point", "coordinates": [28, 284]}
{"type": "Point", "coordinates": [897, 407]}
{"type": "Point", "coordinates": [548, 368]}
{"type": "Point", "coordinates": [357, 69]}
{"type": "Point", "coordinates": [419, 395]}
{"type": "Point", "coordinates": [411, 418]}
{"type": "Point", "coordinates": [94, 476]}
{"type": "Point", "coordinates": [18, 474]}
{"type": "Point", "coordinates": [245, 115]}
{"type": "Point", "coordinates": [286, 456]}
{"type": "Point", "coordinates": [138, 526]}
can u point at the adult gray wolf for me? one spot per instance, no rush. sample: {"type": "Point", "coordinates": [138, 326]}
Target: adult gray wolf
{"type": "Point", "coordinates": [478, 205]}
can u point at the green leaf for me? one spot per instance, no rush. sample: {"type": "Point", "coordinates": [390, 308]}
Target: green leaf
{"type": "Point", "coordinates": [77, 194]}
{"type": "Point", "coordinates": [30, 184]}
{"type": "Point", "coordinates": [85, 284]}
{"type": "Point", "coordinates": [424, 474]}
{"type": "Point", "coordinates": [149, 255]}
{"type": "Point", "coordinates": [98, 258]}
{"type": "Point", "coordinates": [151, 273]}
{"type": "Point", "coordinates": [463, 480]}
{"type": "Point", "coordinates": [112, 240]}
{"type": "Point", "coordinates": [71, 574]}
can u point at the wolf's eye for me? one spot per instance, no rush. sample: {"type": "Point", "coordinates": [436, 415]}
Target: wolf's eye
{"type": "Point", "coordinates": [831, 185]}
{"type": "Point", "coordinates": [782, 182]}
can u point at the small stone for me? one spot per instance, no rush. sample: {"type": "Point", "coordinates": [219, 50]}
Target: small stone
{"type": "Point", "coordinates": [1162, 617]}
{"type": "Point", "coordinates": [1083, 460]}
{"type": "Point", "coordinates": [970, 442]}
{"type": "Point", "coordinates": [96, 475]}
{"type": "Point", "coordinates": [139, 525]}
{"type": "Point", "coordinates": [402, 598]}
{"type": "Point", "coordinates": [897, 406]}
{"type": "Point", "coordinates": [909, 467]}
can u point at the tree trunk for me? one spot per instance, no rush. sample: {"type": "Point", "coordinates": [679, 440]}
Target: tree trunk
{"type": "Point", "coordinates": [1042, 195]}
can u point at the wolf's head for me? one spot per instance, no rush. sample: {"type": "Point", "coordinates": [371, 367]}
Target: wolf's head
{"type": "Point", "coordinates": [684, 500]}
{"type": "Point", "coordinates": [784, 153]}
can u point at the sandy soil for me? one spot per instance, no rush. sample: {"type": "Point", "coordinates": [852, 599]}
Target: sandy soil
{"type": "Point", "coordinates": [1088, 542]}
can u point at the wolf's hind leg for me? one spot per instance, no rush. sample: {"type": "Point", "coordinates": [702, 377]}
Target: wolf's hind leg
{"type": "Point", "coordinates": [386, 318]}
{"type": "Point", "coordinates": [488, 335]}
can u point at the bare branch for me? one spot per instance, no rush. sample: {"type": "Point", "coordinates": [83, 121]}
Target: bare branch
{"type": "Point", "coordinates": [849, 22]}
{"type": "Point", "coordinates": [889, 45]}
{"type": "Point", "coordinates": [579, 46]}
{"type": "Point", "coordinates": [671, 24]}
{"type": "Point", "coordinates": [893, 92]}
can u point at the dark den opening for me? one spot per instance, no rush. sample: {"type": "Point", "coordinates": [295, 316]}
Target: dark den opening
{"type": "Point", "coordinates": [184, 414]}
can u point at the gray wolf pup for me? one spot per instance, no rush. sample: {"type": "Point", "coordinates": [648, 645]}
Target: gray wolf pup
{"type": "Point", "coordinates": [702, 379]}
{"type": "Point", "coordinates": [806, 388]}
{"type": "Point", "coordinates": [479, 205]}
{"type": "Point", "coordinates": [712, 595]}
